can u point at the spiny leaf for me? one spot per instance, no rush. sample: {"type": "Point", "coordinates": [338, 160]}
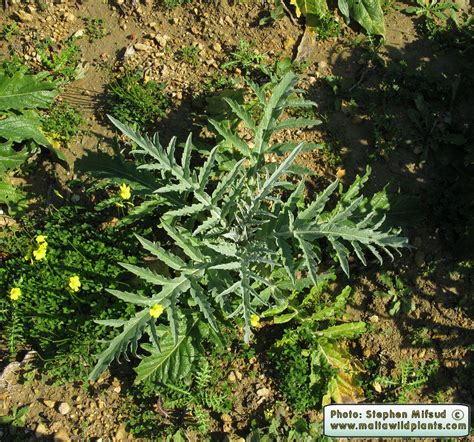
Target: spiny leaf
{"type": "Point", "coordinates": [129, 337]}
{"type": "Point", "coordinates": [168, 258]}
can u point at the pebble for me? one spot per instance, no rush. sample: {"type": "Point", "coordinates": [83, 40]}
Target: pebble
{"type": "Point", "coordinates": [64, 408]}
{"type": "Point", "coordinates": [24, 16]}
{"type": "Point", "coordinates": [41, 430]}
{"type": "Point", "coordinates": [142, 47]}
{"type": "Point", "coordinates": [49, 404]}
{"type": "Point", "coordinates": [263, 392]}
{"type": "Point", "coordinates": [374, 319]}
{"type": "Point", "coordinates": [322, 65]}
{"type": "Point", "coordinates": [217, 47]}
{"type": "Point", "coordinates": [232, 377]}
{"type": "Point", "coordinates": [162, 40]}
{"type": "Point", "coordinates": [79, 33]}
{"type": "Point", "coordinates": [61, 436]}
{"type": "Point", "coordinates": [69, 17]}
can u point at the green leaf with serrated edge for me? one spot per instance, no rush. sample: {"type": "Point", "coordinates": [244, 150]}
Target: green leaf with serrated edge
{"type": "Point", "coordinates": [168, 258]}
{"type": "Point", "coordinates": [186, 157]}
{"type": "Point", "coordinates": [111, 322]}
{"type": "Point", "coordinates": [174, 359]}
{"type": "Point", "coordinates": [206, 169]}
{"type": "Point", "coordinates": [205, 307]}
{"type": "Point", "coordinates": [317, 206]}
{"type": "Point", "coordinates": [131, 298]}
{"type": "Point", "coordinates": [129, 338]}
{"type": "Point", "coordinates": [184, 242]}
{"type": "Point", "coordinates": [231, 138]}
{"type": "Point", "coordinates": [242, 113]}
{"type": "Point", "coordinates": [146, 274]}
{"type": "Point", "coordinates": [23, 91]}
{"type": "Point", "coordinates": [273, 110]}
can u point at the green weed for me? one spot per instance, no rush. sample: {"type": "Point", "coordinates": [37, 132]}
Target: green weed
{"type": "Point", "coordinates": [61, 64]}
{"type": "Point", "coordinates": [95, 28]}
{"type": "Point", "coordinates": [136, 102]}
{"type": "Point", "coordinates": [52, 314]}
{"type": "Point", "coordinates": [399, 295]}
{"type": "Point", "coordinates": [189, 54]}
{"type": "Point", "coordinates": [402, 386]}
{"type": "Point", "coordinates": [63, 122]}
{"type": "Point", "coordinates": [10, 31]}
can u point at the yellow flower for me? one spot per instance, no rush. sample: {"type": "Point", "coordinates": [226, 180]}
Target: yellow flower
{"type": "Point", "coordinates": [41, 239]}
{"type": "Point", "coordinates": [15, 294]}
{"type": "Point", "coordinates": [125, 192]}
{"type": "Point", "coordinates": [255, 321]}
{"type": "Point", "coordinates": [74, 283]}
{"type": "Point", "coordinates": [156, 310]}
{"type": "Point", "coordinates": [40, 252]}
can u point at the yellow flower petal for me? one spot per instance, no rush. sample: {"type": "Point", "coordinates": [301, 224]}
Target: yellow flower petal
{"type": "Point", "coordinates": [255, 321]}
{"type": "Point", "coordinates": [74, 283]}
{"type": "Point", "coordinates": [156, 310]}
{"type": "Point", "coordinates": [15, 294]}
{"type": "Point", "coordinates": [40, 239]}
{"type": "Point", "coordinates": [125, 192]}
{"type": "Point", "coordinates": [40, 252]}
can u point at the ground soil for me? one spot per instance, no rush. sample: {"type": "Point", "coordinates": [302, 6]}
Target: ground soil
{"type": "Point", "coordinates": [441, 296]}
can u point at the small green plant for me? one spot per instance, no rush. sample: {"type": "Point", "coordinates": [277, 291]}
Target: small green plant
{"type": "Point", "coordinates": [246, 58]}
{"type": "Point", "coordinates": [189, 54]}
{"type": "Point", "coordinates": [136, 102]}
{"type": "Point", "coordinates": [17, 418]}
{"type": "Point", "coordinates": [433, 12]}
{"type": "Point", "coordinates": [399, 295]}
{"type": "Point", "coordinates": [410, 378]}
{"type": "Point", "coordinates": [95, 28]}
{"type": "Point", "coordinates": [63, 122]}
{"type": "Point", "coordinates": [171, 4]}
{"type": "Point", "coordinates": [61, 64]}
{"type": "Point", "coordinates": [10, 30]}
{"type": "Point", "coordinates": [327, 27]}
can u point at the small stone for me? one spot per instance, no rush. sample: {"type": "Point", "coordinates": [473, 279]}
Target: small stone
{"type": "Point", "coordinates": [61, 436]}
{"type": "Point", "coordinates": [377, 387]}
{"type": "Point", "coordinates": [69, 17]}
{"type": "Point", "coordinates": [162, 40]}
{"type": "Point", "coordinates": [118, 389]}
{"type": "Point", "coordinates": [374, 319]}
{"type": "Point", "coordinates": [41, 430]}
{"type": "Point", "coordinates": [79, 33]}
{"type": "Point", "coordinates": [142, 47]}
{"type": "Point", "coordinates": [24, 16]}
{"type": "Point", "coordinates": [64, 408]}
{"type": "Point", "coordinates": [49, 404]}
{"type": "Point", "coordinates": [226, 418]}
{"type": "Point", "coordinates": [239, 375]}
{"type": "Point", "coordinates": [322, 65]}
{"type": "Point", "coordinates": [217, 47]}
{"type": "Point", "coordinates": [263, 392]}
{"type": "Point", "coordinates": [419, 258]}
{"type": "Point", "coordinates": [129, 52]}
{"type": "Point", "coordinates": [232, 377]}
{"type": "Point", "coordinates": [229, 20]}
{"type": "Point", "coordinates": [422, 353]}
